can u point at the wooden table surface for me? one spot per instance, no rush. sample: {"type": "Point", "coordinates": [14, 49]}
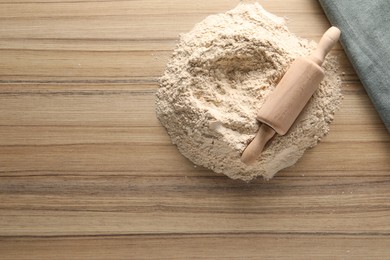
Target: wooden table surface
{"type": "Point", "coordinates": [87, 171]}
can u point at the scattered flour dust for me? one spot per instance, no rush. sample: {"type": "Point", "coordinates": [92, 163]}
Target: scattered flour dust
{"type": "Point", "coordinates": [217, 79]}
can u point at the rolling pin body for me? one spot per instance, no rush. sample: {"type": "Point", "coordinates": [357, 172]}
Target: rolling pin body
{"type": "Point", "coordinates": [288, 99]}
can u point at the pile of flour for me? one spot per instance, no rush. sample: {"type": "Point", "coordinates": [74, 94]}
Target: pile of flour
{"type": "Point", "coordinates": [220, 75]}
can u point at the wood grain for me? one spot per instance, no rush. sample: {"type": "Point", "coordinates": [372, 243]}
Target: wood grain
{"type": "Point", "coordinates": [87, 171]}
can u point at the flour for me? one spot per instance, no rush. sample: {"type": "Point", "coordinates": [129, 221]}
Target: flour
{"type": "Point", "coordinates": [220, 75]}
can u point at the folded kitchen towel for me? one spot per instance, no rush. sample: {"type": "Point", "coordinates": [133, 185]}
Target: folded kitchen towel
{"type": "Point", "coordinates": [365, 36]}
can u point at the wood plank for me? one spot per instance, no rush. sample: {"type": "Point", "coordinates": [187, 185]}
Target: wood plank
{"type": "Point", "coordinates": [84, 108]}
{"type": "Point", "coordinates": [132, 26]}
{"type": "Point", "coordinates": [227, 246]}
{"type": "Point", "coordinates": [50, 9]}
{"type": "Point", "coordinates": [17, 65]}
{"type": "Point", "coordinates": [54, 135]}
{"type": "Point", "coordinates": [106, 157]}
{"type": "Point", "coordinates": [357, 133]}
{"type": "Point", "coordinates": [132, 194]}
{"type": "Point", "coordinates": [33, 8]}
{"type": "Point", "coordinates": [131, 158]}
{"type": "Point", "coordinates": [88, 45]}
{"type": "Point", "coordinates": [73, 206]}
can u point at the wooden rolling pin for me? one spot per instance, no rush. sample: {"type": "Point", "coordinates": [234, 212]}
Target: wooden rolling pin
{"type": "Point", "coordinates": [290, 96]}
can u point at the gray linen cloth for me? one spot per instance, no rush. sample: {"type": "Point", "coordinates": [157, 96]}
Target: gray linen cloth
{"type": "Point", "coordinates": [365, 36]}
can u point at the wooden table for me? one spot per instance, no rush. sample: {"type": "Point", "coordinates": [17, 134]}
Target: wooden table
{"type": "Point", "coordinates": [87, 171]}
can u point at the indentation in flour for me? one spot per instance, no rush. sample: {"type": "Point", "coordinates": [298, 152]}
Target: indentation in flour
{"type": "Point", "coordinates": [231, 66]}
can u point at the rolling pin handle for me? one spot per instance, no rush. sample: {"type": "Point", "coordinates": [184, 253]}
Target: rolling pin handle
{"type": "Point", "coordinates": [254, 149]}
{"type": "Point", "coordinates": [328, 40]}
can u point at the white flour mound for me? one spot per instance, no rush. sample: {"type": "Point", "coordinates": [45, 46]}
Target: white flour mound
{"type": "Point", "coordinates": [217, 79]}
